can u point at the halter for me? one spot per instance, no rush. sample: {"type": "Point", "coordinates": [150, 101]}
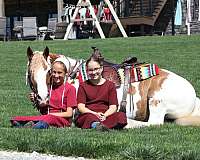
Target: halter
{"type": "Point", "coordinates": [37, 98]}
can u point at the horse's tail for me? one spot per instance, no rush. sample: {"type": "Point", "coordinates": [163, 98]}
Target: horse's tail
{"type": "Point", "coordinates": [193, 119]}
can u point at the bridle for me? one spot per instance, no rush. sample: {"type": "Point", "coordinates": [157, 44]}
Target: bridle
{"type": "Point", "coordinates": [37, 98]}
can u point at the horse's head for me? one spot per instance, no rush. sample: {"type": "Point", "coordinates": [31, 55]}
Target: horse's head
{"type": "Point", "coordinates": [38, 72]}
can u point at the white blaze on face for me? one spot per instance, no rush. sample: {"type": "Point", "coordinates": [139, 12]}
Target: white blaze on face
{"type": "Point", "coordinates": [40, 79]}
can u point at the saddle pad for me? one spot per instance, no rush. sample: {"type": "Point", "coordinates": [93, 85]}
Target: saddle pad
{"type": "Point", "coordinates": [142, 72]}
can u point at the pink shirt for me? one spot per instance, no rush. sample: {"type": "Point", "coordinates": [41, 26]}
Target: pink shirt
{"type": "Point", "coordinates": [69, 100]}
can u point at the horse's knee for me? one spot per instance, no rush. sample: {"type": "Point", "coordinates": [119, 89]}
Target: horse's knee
{"type": "Point", "coordinates": [157, 114]}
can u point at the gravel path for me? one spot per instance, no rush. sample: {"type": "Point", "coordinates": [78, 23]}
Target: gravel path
{"type": "Point", "coordinates": [7, 155]}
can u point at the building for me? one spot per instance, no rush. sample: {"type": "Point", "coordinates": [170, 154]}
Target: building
{"type": "Point", "coordinates": [139, 17]}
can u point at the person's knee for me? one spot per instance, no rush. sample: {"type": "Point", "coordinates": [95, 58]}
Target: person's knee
{"type": "Point", "coordinates": [121, 115]}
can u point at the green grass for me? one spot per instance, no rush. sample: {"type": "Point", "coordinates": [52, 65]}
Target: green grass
{"type": "Point", "coordinates": [179, 54]}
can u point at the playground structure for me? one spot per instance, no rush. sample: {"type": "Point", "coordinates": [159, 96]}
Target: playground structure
{"type": "Point", "coordinates": [83, 6]}
{"type": "Point", "coordinates": [147, 17]}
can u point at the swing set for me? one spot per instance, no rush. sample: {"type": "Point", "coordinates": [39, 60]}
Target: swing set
{"type": "Point", "coordinates": [81, 11]}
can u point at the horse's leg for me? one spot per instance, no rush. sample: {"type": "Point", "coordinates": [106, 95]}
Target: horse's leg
{"type": "Point", "coordinates": [131, 123]}
{"type": "Point", "coordinates": [157, 112]}
{"type": "Point", "coordinates": [192, 119]}
{"type": "Point", "coordinates": [188, 121]}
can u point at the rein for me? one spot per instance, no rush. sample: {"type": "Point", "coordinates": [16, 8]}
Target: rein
{"type": "Point", "coordinates": [123, 102]}
{"type": "Point", "coordinates": [37, 98]}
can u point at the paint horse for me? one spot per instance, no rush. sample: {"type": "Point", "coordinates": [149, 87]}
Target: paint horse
{"type": "Point", "coordinates": [148, 102]}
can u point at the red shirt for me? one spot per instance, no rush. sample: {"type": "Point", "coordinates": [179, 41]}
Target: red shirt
{"type": "Point", "coordinates": [56, 98]}
{"type": "Point", "coordinates": [97, 97]}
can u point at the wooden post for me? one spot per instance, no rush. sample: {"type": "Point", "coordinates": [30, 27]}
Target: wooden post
{"type": "Point", "coordinates": [116, 18]}
{"type": "Point", "coordinates": [118, 8]}
{"type": "Point", "coordinates": [60, 9]}
{"type": "Point", "coordinates": [126, 8]}
{"type": "Point", "coordinates": [97, 24]}
{"type": "Point", "coordinates": [188, 17]}
{"type": "Point", "coordinates": [2, 8]}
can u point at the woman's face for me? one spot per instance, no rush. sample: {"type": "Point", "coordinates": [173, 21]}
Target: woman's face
{"type": "Point", "coordinates": [94, 70]}
{"type": "Point", "coordinates": [58, 73]}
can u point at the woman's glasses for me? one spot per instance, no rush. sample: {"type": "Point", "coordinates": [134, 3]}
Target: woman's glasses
{"type": "Point", "coordinates": [93, 70]}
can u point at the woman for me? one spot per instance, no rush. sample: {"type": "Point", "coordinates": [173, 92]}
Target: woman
{"type": "Point", "coordinates": [97, 99]}
{"type": "Point", "coordinates": [59, 109]}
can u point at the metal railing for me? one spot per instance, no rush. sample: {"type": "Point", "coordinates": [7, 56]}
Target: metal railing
{"type": "Point", "coordinates": [128, 8]}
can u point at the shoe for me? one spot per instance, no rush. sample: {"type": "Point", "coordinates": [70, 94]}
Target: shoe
{"type": "Point", "coordinates": [29, 124]}
{"type": "Point", "coordinates": [16, 124]}
{"type": "Point", "coordinates": [102, 128]}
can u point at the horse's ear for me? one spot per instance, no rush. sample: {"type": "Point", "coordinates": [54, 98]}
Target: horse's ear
{"type": "Point", "coordinates": [29, 53]}
{"type": "Point", "coordinates": [46, 52]}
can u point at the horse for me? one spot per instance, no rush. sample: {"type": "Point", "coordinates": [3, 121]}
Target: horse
{"type": "Point", "coordinates": [149, 101]}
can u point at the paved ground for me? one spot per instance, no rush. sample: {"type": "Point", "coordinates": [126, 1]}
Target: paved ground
{"type": "Point", "coordinates": [7, 155]}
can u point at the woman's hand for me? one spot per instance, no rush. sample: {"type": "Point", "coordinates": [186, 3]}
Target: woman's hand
{"type": "Point", "coordinates": [101, 116]}
{"type": "Point", "coordinates": [32, 96]}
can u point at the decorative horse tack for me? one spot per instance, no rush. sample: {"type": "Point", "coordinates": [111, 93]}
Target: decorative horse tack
{"type": "Point", "coordinates": [135, 73]}
{"type": "Point", "coordinates": [123, 102]}
{"type": "Point", "coordinates": [111, 73]}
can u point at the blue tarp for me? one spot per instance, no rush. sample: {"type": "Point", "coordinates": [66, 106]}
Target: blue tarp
{"type": "Point", "coordinates": [178, 15]}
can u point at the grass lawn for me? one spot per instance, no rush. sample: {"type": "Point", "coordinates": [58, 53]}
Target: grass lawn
{"type": "Point", "coordinates": [179, 54]}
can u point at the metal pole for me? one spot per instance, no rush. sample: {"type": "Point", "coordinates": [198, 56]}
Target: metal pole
{"type": "Point", "coordinates": [2, 9]}
{"type": "Point", "coordinates": [60, 9]}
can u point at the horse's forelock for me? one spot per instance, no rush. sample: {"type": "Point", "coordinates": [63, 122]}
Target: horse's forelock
{"type": "Point", "coordinates": [38, 52]}
{"type": "Point", "coordinates": [37, 62]}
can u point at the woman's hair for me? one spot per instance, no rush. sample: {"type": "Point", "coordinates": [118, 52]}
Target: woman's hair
{"type": "Point", "coordinates": [96, 56]}
{"type": "Point", "coordinates": [64, 66]}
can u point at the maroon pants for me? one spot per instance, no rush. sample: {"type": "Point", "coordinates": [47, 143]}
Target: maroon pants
{"type": "Point", "coordinates": [117, 120]}
{"type": "Point", "coordinates": [49, 119]}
